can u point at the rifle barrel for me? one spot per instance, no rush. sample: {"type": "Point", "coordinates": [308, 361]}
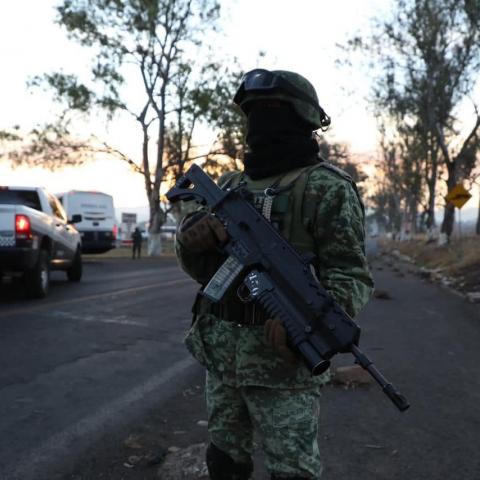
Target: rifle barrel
{"type": "Point", "coordinates": [392, 393]}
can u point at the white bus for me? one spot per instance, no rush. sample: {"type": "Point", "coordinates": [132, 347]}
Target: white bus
{"type": "Point", "coordinates": [98, 227]}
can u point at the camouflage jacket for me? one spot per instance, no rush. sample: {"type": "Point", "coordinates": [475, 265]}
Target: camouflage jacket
{"type": "Point", "coordinates": [334, 219]}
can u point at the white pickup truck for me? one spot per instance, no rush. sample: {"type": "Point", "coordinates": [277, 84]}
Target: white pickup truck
{"type": "Point", "coordinates": [36, 237]}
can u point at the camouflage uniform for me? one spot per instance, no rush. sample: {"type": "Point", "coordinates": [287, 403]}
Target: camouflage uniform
{"type": "Point", "coordinates": [249, 386]}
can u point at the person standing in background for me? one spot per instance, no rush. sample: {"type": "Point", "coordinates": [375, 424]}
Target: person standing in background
{"type": "Point", "coordinates": [137, 243]}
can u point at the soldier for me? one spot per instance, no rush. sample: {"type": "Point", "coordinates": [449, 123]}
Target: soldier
{"type": "Point", "coordinates": [254, 381]}
{"type": "Point", "coordinates": [136, 243]}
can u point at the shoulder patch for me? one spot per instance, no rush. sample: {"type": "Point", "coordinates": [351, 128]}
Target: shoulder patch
{"type": "Point", "coordinates": [336, 170]}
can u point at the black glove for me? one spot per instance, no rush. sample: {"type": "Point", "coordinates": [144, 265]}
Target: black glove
{"type": "Point", "coordinates": [202, 232]}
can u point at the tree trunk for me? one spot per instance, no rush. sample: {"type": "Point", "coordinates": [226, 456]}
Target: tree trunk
{"type": "Point", "coordinates": [154, 248]}
{"type": "Point", "coordinates": [448, 220]}
{"type": "Point", "coordinates": [157, 216]}
{"type": "Point", "coordinates": [449, 212]}
{"type": "Point", "coordinates": [431, 176]}
{"type": "Point", "coordinates": [414, 216]}
{"type": "Point", "coordinates": [154, 237]}
{"type": "Point", "coordinates": [430, 223]}
{"type": "Point", "coordinates": [477, 229]}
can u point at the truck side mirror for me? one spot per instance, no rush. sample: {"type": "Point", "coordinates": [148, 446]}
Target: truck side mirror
{"type": "Point", "coordinates": [77, 218]}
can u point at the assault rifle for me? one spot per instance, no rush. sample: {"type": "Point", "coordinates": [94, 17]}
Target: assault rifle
{"type": "Point", "coordinates": [278, 278]}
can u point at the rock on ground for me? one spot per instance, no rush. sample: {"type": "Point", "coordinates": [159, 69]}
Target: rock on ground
{"type": "Point", "coordinates": [185, 464]}
{"type": "Point", "coordinates": [351, 375]}
{"type": "Point", "coordinates": [473, 297]}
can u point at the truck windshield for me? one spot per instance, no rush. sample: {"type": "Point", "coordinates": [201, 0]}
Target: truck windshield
{"type": "Point", "coordinates": [28, 198]}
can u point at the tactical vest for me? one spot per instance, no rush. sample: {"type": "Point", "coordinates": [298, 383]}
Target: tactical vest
{"type": "Point", "coordinates": [282, 200]}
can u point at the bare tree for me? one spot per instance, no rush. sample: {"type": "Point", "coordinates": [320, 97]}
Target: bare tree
{"type": "Point", "coordinates": [426, 58]}
{"type": "Point", "coordinates": [459, 165]}
{"type": "Point", "coordinates": [475, 180]}
{"type": "Point", "coordinates": [154, 39]}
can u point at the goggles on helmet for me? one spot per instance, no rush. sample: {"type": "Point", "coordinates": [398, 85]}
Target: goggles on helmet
{"type": "Point", "coordinates": [260, 80]}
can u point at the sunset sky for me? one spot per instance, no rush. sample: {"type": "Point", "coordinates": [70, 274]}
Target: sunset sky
{"type": "Point", "coordinates": [299, 36]}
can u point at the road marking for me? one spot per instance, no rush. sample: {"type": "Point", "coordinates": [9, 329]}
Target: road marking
{"type": "Point", "coordinates": [120, 319]}
{"type": "Point", "coordinates": [113, 293]}
{"type": "Point", "coordinates": [60, 444]}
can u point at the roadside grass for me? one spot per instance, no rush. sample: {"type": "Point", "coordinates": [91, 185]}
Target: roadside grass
{"type": "Point", "coordinates": [457, 255]}
{"type": "Point", "coordinates": [459, 260]}
{"type": "Point", "coordinates": [126, 252]}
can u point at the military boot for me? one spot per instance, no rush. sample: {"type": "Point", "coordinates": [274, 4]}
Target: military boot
{"type": "Point", "coordinates": [222, 467]}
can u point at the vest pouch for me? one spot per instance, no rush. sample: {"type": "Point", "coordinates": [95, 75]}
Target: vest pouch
{"type": "Point", "coordinates": [280, 204]}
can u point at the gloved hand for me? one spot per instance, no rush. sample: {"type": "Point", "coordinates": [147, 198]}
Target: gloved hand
{"type": "Point", "coordinates": [202, 232]}
{"type": "Point", "coordinates": [276, 336]}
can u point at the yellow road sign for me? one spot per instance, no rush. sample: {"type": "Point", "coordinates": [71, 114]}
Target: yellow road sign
{"type": "Point", "coordinates": [458, 196]}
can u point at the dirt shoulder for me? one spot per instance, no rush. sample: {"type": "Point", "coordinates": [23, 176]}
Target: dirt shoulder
{"type": "Point", "coordinates": [456, 265]}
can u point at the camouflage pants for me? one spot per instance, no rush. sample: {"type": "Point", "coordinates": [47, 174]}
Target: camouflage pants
{"type": "Point", "coordinates": [286, 420]}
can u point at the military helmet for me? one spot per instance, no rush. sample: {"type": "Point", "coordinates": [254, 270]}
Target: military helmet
{"type": "Point", "coordinates": [290, 87]}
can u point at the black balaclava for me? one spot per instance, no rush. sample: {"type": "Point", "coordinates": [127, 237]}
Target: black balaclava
{"type": "Point", "coordinates": [279, 141]}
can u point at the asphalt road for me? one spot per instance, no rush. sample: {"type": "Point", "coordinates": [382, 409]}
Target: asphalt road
{"type": "Point", "coordinates": [426, 340]}
{"type": "Point", "coordinates": [108, 352]}
{"type": "Point", "coordinates": [90, 357]}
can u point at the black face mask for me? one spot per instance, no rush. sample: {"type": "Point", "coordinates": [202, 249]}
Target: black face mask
{"type": "Point", "coordinates": [279, 141]}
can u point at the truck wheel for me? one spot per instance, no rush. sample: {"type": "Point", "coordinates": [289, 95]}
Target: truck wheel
{"type": "Point", "coordinates": [37, 280]}
{"type": "Point", "coordinates": [74, 272]}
